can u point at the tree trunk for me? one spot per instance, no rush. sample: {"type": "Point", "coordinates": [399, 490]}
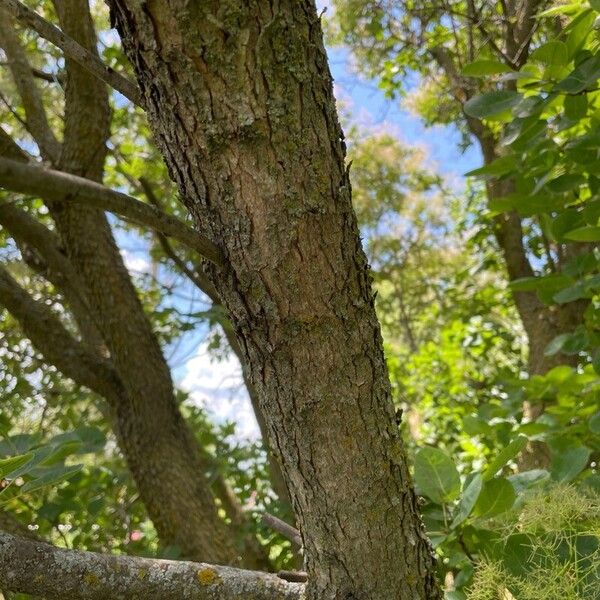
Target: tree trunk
{"type": "Point", "coordinates": [240, 100]}
{"type": "Point", "coordinates": [541, 323]}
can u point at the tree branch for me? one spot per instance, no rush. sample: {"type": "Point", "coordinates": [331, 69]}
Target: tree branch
{"type": "Point", "coordinates": [55, 185]}
{"type": "Point", "coordinates": [10, 149]}
{"type": "Point", "coordinates": [59, 347]}
{"type": "Point", "coordinates": [286, 530]}
{"type": "Point", "coordinates": [37, 568]}
{"type": "Point", "coordinates": [43, 75]}
{"type": "Point", "coordinates": [74, 51]}
{"type": "Point", "coordinates": [43, 246]}
{"type": "Point", "coordinates": [36, 119]}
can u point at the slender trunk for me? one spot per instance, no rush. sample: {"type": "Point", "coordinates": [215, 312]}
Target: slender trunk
{"type": "Point", "coordinates": [240, 100]}
{"type": "Point", "coordinates": [541, 323]}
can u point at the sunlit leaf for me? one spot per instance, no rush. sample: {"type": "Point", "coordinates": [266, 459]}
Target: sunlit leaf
{"type": "Point", "coordinates": [436, 475]}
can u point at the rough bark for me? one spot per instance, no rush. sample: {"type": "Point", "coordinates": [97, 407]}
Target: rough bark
{"type": "Point", "coordinates": [35, 567]}
{"type": "Point", "coordinates": [240, 100]}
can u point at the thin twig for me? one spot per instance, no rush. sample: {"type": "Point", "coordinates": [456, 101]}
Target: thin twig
{"type": "Point", "coordinates": [286, 530]}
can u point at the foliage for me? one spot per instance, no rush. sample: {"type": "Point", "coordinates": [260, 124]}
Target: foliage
{"type": "Point", "coordinates": [463, 385]}
{"type": "Point", "coordinates": [548, 131]}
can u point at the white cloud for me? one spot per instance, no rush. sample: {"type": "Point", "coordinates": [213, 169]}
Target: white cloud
{"type": "Point", "coordinates": [136, 262]}
{"type": "Point", "coordinates": [217, 385]}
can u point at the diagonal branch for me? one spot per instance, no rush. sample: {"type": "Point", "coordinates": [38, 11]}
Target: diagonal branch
{"type": "Point", "coordinates": [59, 347]}
{"type": "Point", "coordinates": [10, 149]}
{"type": "Point", "coordinates": [74, 51]}
{"type": "Point", "coordinates": [47, 258]}
{"type": "Point", "coordinates": [36, 119]}
{"type": "Point", "coordinates": [37, 568]}
{"type": "Point", "coordinates": [55, 185]}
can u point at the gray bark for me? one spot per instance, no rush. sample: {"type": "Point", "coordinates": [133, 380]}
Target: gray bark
{"type": "Point", "coordinates": [35, 567]}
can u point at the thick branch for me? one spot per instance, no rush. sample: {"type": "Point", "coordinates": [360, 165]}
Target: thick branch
{"type": "Point", "coordinates": [37, 122]}
{"type": "Point", "coordinates": [54, 185]}
{"type": "Point", "coordinates": [49, 336]}
{"type": "Point", "coordinates": [74, 51]}
{"type": "Point", "coordinates": [38, 568]}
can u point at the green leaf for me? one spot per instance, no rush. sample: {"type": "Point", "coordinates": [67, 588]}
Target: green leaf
{"type": "Point", "coordinates": [504, 456]}
{"type": "Point", "coordinates": [436, 475]}
{"type": "Point", "coordinates": [583, 76]}
{"type": "Point", "coordinates": [556, 344]}
{"type": "Point", "coordinates": [553, 53]}
{"type": "Point", "coordinates": [468, 500]}
{"type": "Point", "coordinates": [568, 463]}
{"type": "Point", "coordinates": [561, 9]}
{"type": "Point", "coordinates": [594, 423]}
{"type": "Point", "coordinates": [570, 294]}
{"type": "Point", "coordinates": [565, 183]}
{"type": "Point", "coordinates": [12, 463]}
{"type": "Point", "coordinates": [540, 284]}
{"type": "Point", "coordinates": [51, 476]}
{"type": "Point", "coordinates": [500, 166]}
{"type": "Point", "coordinates": [576, 107]}
{"type": "Point", "coordinates": [516, 553]}
{"type": "Point", "coordinates": [484, 67]}
{"type": "Point", "coordinates": [584, 234]}
{"type": "Point", "coordinates": [578, 30]}
{"type": "Point", "coordinates": [492, 103]}
{"type": "Point", "coordinates": [496, 497]}
{"type": "Point", "coordinates": [528, 479]}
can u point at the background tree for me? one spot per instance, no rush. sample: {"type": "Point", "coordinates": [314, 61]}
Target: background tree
{"type": "Point", "coordinates": [453, 46]}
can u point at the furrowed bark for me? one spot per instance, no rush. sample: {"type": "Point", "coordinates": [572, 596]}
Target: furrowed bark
{"type": "Point", "coordinates": [240, 100]}
{"type": "Point", "coordinates": [33, 567]}
{"type": "Point", "coordinates": [203, 283]}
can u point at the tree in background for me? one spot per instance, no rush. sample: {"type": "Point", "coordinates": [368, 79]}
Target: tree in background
{"type": "Point", "coordinates": [461, 49]}
{"type": "Point", "coordinates": [103, 340]}
{"type": "Point", "coordinates": [447, 318]}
